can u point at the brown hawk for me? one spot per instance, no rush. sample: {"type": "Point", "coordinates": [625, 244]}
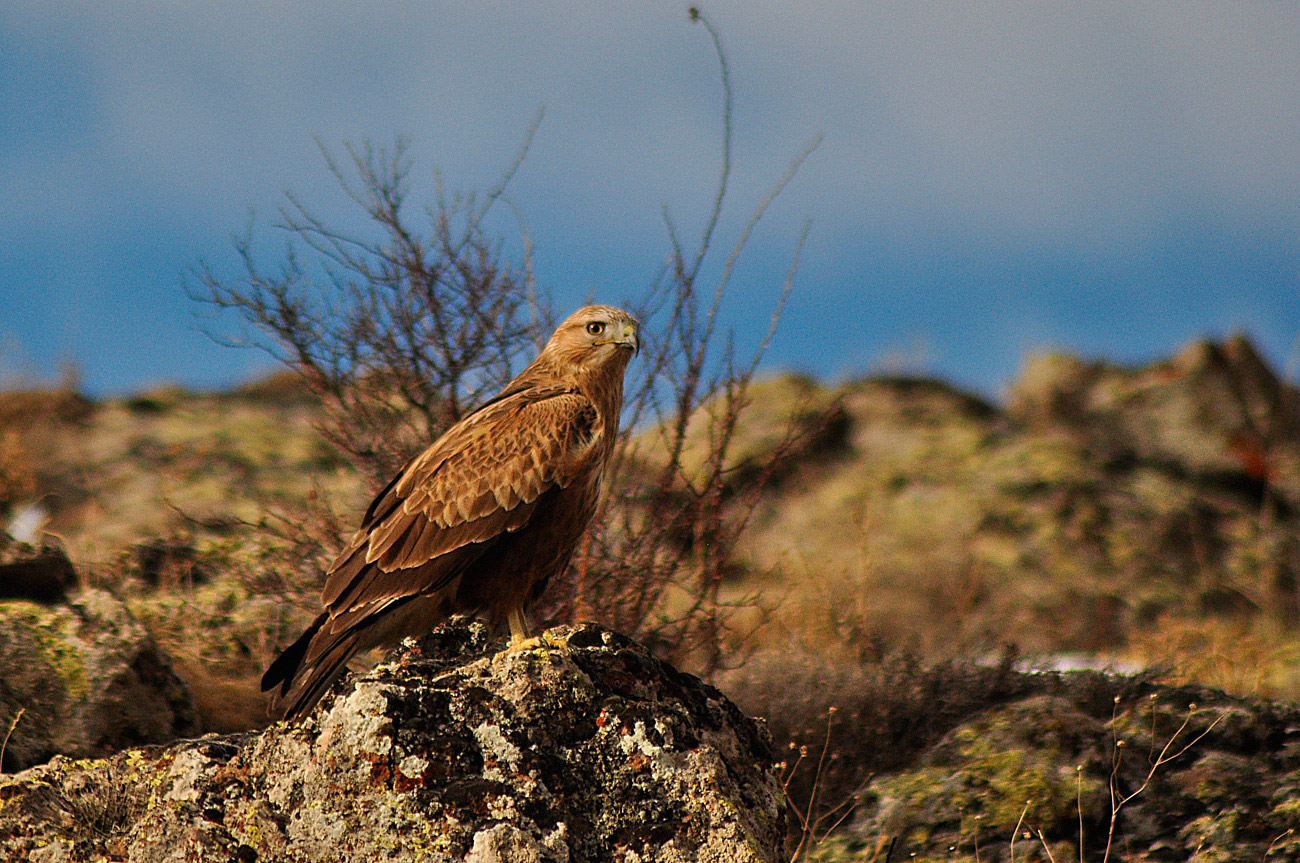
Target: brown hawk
{"type": "Point", "coordinates": [479, 521]}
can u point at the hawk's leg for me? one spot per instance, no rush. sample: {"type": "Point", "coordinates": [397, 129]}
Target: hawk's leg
{"type": "Point", "coordinates": [520, 640]}
{"type": "Point", "coordinates": [518, 627]}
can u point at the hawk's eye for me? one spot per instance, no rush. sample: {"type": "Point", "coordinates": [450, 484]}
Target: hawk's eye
{"type": "Point", "coordinates": [596, 327]}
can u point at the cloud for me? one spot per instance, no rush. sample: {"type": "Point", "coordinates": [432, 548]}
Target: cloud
{"type": "Point", "coordinates": [1018, 118]}
{"type": "Point", "coordinates": [1057, 119]}
{"type": "Point", "coordinates": [1035, 126]}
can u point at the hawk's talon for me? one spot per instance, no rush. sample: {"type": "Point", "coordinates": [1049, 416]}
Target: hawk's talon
{"type": "Point", "coordinates": [527, 645]}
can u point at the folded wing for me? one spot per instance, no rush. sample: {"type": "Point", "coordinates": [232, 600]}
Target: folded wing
{"type": "Point", "coordinates": [484, 478]}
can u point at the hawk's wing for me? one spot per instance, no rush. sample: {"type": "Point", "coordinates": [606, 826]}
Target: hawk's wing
{"type": "Point", "coordinates": [481, 479]}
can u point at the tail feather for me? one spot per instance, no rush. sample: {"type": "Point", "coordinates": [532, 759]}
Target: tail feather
{"type": "Point", "coordinates": [282, 672]}
{"type": "Point", "coordinates": [307, 668]}
{"type": "Point", "coordinates": [320, 675]}
{"type": "Point", "coordinates": [304, 672]}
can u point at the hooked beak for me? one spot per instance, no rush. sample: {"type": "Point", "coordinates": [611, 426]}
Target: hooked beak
{"type": "Point", "coordinates": [630, 338]}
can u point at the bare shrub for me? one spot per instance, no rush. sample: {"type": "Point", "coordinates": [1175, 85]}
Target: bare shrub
{"type": "Point", "coordinates": [1174, 746]}
{"type": "Point", "coordinates": [656, 564]}
{"type": "Point", "coordinates": [400, 335]}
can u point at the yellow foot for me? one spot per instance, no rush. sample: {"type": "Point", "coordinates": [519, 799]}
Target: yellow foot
{"type": "Point", "coordinates": [524, 645]}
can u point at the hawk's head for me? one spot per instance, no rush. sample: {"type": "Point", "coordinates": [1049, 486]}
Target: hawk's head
{"type": "Point", "coordinates": [596, 337]}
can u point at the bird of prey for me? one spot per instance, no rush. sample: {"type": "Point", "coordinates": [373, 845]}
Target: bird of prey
{"type": "Point", "coordinates": [481, 519]}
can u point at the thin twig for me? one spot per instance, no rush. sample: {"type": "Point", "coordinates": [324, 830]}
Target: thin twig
{"type": "Point", "coordinates": [12, 725]}
{"type": "Point", "coordinates": [1043, 839]}
{"type": "Point", "coordinates": [1016, 831]}
{"type": "Point", "coordinates": [1078, 786]}
{"type": "Point", "coordinates": [1118, 801]}
{"type": "Point", "coordinates": [1273, 844]}
{"type": "Point", "coordinates": [696, 15]}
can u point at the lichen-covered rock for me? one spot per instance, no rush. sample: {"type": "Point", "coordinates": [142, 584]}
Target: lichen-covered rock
{"type": "Point", "coordinates": [1196, 775]}
{"type": "Point", "coordinates": [584, 748]}
{"type": "Point", "coordinates": [88, 679]}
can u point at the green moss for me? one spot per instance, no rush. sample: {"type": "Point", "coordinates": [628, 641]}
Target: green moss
{"type": "Point", "coordinates": [1213, 836]}
{"type": "Point", "coordinates": [1288, 810]}
{"type": "Point", "coordinates": [45, 628]}
{"type": "Point", "coordinates": [991, 792]}
{"type": "Point", "coordinates": [984, 780]}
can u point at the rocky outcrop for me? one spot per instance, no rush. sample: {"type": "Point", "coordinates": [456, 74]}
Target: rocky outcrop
{"type": "Point", "coordinates": [964, 762]}
{"type": "Point", "coordinates": [88, 679]}
{"type": "Point", "coordinates": [583, 748]}
{"type": "Point", "coordinates": [1104, 510]}
{"type": "Point", "coordinates": [1215, 410]}
{"type": "Point", "coordinates": [1196, 775]}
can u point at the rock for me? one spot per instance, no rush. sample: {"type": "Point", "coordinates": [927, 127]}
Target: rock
{"type": "Point", "coordinates": [41, 574]}
{"type": "Point", "coordinates": [943, 761]}
{"type": "Point", "coordinates": [169, 562]}
{"type": "Point", "coordinates": [88, 679]}
{"type": "Point", "coordinates": [1216, 409]}
{"type": "Point", "coordinates": [1200, 776]}
{"type": "Point", "coordinates": [584, 748]}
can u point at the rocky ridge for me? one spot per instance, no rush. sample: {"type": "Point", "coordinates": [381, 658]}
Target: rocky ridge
{"type": "Point", "coordinates": [959, 762]}
{"type": "Point", "coordinates": [582, 748]}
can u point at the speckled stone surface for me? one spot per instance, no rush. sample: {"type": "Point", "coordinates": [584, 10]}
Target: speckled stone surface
{"type": "Point", "coordinates": [88, 679]}
{"type": "Point", "coordinates": [584, 748]}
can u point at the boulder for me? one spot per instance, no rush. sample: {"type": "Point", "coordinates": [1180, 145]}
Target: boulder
{"type": "Point", "coordinates": [1216, 410]}
{"type": "Point", "coordinates": [966, 762]}
{"type": "Point", "coordinates": [583, 748]}
{"type": "Point", "coordinates": [42, 574]}
{"type": "Point", "coordinates": [88, 679]}
{"type": "Point", "coordinates": [1196, 775]}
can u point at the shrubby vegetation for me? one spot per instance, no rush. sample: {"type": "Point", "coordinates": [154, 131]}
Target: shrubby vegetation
{"type": "Point", "coordinates": [400, 326]}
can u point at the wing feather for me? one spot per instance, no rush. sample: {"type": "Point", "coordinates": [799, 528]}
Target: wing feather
{"type": "Point", "coordinates": [481, 479]}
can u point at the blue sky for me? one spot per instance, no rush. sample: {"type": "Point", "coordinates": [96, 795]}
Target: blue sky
{"type": "Point", "coordinates": [994, 179]}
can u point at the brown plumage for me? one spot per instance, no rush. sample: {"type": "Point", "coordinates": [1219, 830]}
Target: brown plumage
{"type": "Point", "coordinates": [480, 520]}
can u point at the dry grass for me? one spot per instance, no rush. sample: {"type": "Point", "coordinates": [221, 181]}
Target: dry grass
{"type": "Point", "coordinates": [1252, 657]}
{"type": "Point", "coordinates": [30, 426]}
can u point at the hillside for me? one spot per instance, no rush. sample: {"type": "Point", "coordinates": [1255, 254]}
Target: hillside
{"type": "Point", "coordinates": [1144, 516]}
{"type": "Point", "coordinates": [1140, 516]}
{"type": "Point", "coordinates": [916, 559]}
